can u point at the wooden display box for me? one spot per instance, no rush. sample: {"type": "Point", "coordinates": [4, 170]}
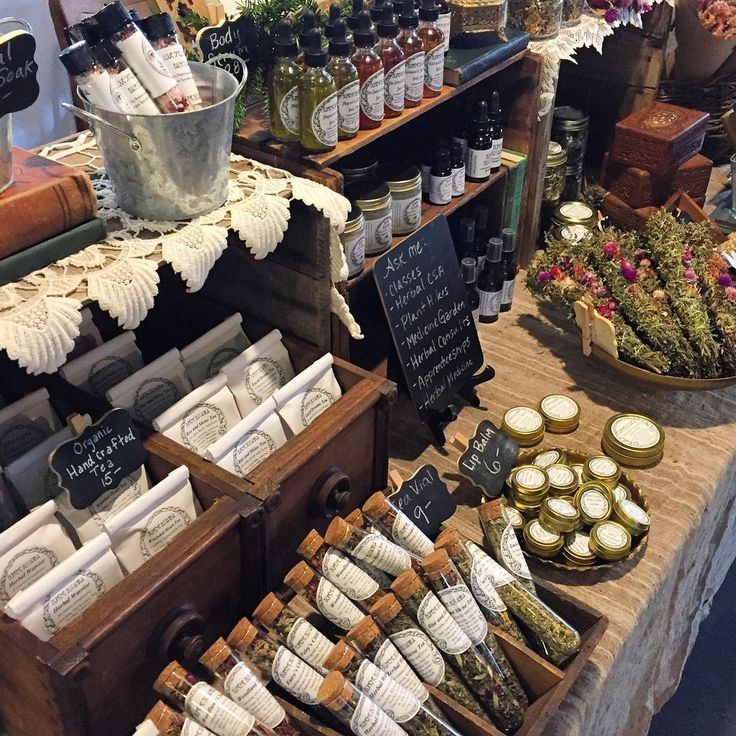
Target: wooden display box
{"type": "Point", "coordinates": [94, 677]}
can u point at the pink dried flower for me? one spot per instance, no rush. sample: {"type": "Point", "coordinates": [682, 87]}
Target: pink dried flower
{"type": "Point", "coordinates": [690, 276]}
{"type": "Point", "coordinates": [644, 7]}
{"type": "Point", "coordinates": [610, 249]}
{"type": "Point", "coordinates": [731, 292]}
{"type": "Point", "coordinates": [724, 280]}
{"type": "Point", "coordinates": [544, 276]}
{"type": "Point", "coordinates": [628, 271]}
{"type": "Point", "coordinates": [611, 15]}
{"type": "Point", "coordinates": [601, 291]}
{"type": "Point", "coordinates": [687, 256]}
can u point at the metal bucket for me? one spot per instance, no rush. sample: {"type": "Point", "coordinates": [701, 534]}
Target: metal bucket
{"type": "Point", "coordinates": [170, 167]}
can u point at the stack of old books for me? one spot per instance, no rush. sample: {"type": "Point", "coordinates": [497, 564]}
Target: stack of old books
{"type": "Point", "coordinates": [46, 214]}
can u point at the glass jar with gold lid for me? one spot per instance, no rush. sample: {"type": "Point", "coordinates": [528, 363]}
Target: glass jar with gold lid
{"type": "Point", "coordinates": [576, 549]}
{"type": "Point", "coordinates": [632, 517]}
{"type": "Point", "coordinates": [374, 201]}
{"type": "Point", "coordinates": [601, 468]}
{"type": "Point", "coordinates": [610, 541]}
{"type": "Point", "coordinates": [529, 483]}
{"type": "Point", "coordinates": [558, 515]}
{"type": "Point", "coordinates": [561, 413]}
{"type": "Point", "coordinates": [634, 440]}
{"type": "Point", "coordinates": [524, 424]}
{"type": "Point", "coordinates": [563, 480]}
{"type": "Point", "coordinates": [405, 183]}
{"type": "Point", "coordinates": [549, 457]}
{"type": "Point", "coordinates": [540, 541]}
{"type": "Point", "coordinates": [353, 241]}
{"type": "Point", "coordinates": [574, 213]}
{"type": "Point", "coordinates": [594, 501]}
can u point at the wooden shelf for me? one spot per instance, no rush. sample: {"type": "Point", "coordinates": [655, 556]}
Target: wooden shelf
{"type": "Point", "coordinates": [429, 212]}
{"type": "Point", "coordinates": [254, 130]}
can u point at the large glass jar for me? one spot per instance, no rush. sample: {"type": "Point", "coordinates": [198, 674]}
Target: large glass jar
{"type": "Point", "coordinates": [571, 12]}
{"type": "Point", "coordinates": [554, 173]}
{"type": "Point", "coordinates": [541, 19]}
{"type": "Point", "coordinates": [570, 130]}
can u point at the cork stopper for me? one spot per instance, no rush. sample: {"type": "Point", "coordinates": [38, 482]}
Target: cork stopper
{"type": "Point", "coordinates": [338, 532]}
{"type": "Point", "coordinates": [164, 718]}
{"type": "Point", "coordinates": [386, 608]}
{"type": "Point", "coordinates": [339, 658]}
{"type": "Point", "coordinates": [450, 540]}
{"type": "Point", "coordinates": [376, 506]}
{"type": "Point", "coordinates": [242, 636]}
{"type": "Point", "coordinates": [406, 584]}
{"type": "Point", "coordinates": [267, 610]}
{"type": "Point", "coordinates": [436, 564]}
{"type": "Point", "coordinates": [299, 576]}
{"type": "Point", "coordinates": [490, 510]}
{"type": "Point", "coordinates": [363, 633]}
{"type": "Point", "coordinates": [215, 655]}
{"type": "Point", "coordinates": [169, 678]}
{"type": "Point", "coordinates": [334, 692]}
{"type": "Point", "coordinates": [356, 518]}
{"type": "Point", "coordinates": [310, 545]}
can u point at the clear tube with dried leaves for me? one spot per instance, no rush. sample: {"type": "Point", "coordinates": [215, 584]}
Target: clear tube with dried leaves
{"type": "Point", "coordinates": [396, 525]}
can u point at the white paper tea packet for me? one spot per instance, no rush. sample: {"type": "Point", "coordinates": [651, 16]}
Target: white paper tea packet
{"type": "Point", "coordinates": [25, 424]}
{"type": "Point", "coordinates": [89, 336]}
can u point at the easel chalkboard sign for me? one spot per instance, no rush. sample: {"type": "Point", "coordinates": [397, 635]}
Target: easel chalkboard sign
{"type": "Point", "coordinates": [489, 458]}
{"type": "Point", "coordinates": [425, 499]}
{"type": "Point", "coordinates": [238, 37]}
{"type": "Point", "coordinates": [426, 304]}
{"type": "Point", "coordinates": [97, 460]}
{"type": "Point", "coordinates": [18, 69]}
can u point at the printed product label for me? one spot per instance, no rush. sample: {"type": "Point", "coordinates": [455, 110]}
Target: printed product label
{"type": "Point", "coordinates": [595, 504]}
{"type": "Point", "coordinates": [612, 536]}
{"type": "Point", "coordinates": [507, 295]}
{"type": "Point", "coordinates": [70, 602]}
{"type": "Point", "coordinates": [176, 62]}
{"type": "Point", "coordinates": [459, 601]}
{"type": "Point", "coordinates": [410, 536]}
{"type": "Point", "coordinates": [498, 575]}
{"type": "Point", "coordinates": [512, 556]}
{"type": "Point", "coordinates": [20, 436]}
{"type": "Point", "coordinates": [414, 77]}
{"type": "Point", "coordinates": [354, 245]}
{"type": "Point", "coordinates": [422, 654]}
{"type": "Point", "coordinates": [295, 676]}
{"type": "Point", "coordinates": [378, 233]}
{"type": "Point", "coordinates": [336, 606]}
{"type": "Point", "coordinates": [444, 21]}
{"type": "Point", "coordinates": [308, 643]}
{"type": "Point", "coordinates": [96, 88]}
{"type": "Point", "coordinates": [602, 466]}
{"type": "Point", "coordinates": [220, 358]}
{"type": "Point", "coordinates": [434, 67]}
{"type": "Point", "coordinates": [383, 580]}
{"type": "Point", "coordinates": [386, 693]}
{"type": "Point", "coordinates": [579, 543]}
{"type": "Point", "coordinates": [576, 211]}
{"type": "Point", "coordinates": [513, 516]}
{"type": "Point", "coordinates": [113, 502]}
{"type": "Point", "coordinates": [541, 535]}
{"type": "Point", "coordinates": [440, 189]}
{"type": "Point", "coordinates": [392, 662]}
{"type": "Point", "coordinates": [202, 425]}
{"type": "Point", "coordinates": [192, 728]}
{"type": "Point", "coordinates": [376, 550]}
{"type": "Point", "coordinates": [406, 213]}
{"type": "Point", "coordinates": [369, 720]}
{"type": "Point", "coordinates": [324, 121]}
{"type": "Point", "coordinates": [371, 96]}
{"type": "Point", "coordinates": [153, 397]}
{"type": "Point", "coordinates": [479, 163]}
{"type": "Point", "coordinates": [458, 181]}
{"type": "Point", "coordinates": [349, 578]}
{"type": "Point", "coordinates": [526, 419]}
{"type": "Point", "coordinates": [24, 568]}
{"type": "Point", "coordinates": [619, 493]}
{"type": "Point", "coordinates": [108, 372]}
{"type": "Point", "coordinates": [289, 110]}
{"type": "Point", "coordinates": [559, 407]}
{"type": "Point", "coordinates": [483, 586]}
{"type": "Point", "coordinates": [242, 686]}
{"type": "Point", "coordinates": [545, 459]}
{"type": "Point", "coordinates": [348, 107]}
{"type": "Point", "coordinates": [393, 85]}
{"type": "Point", "coordinates": [496, 151]}
{"type": "Point", "coordinates": [490, 303]}
{"type": "Point", "coordinates": [561, 507]}
{"type": "Point", "coordinates": [314, 402]}
{"type": "Point", "coordinates": [426, 170]}
{"type": "Point", "coordinates": [635, 432]}
{"type": "Point", "coordinates": [162, 526]}
{"type": "Point", "coordinates": [146, 63]}
{"type": "Point", "coordinates": [217, 712]}
{"type": "Point", "coordinates": [435, 619]}
{"type": "Point", "coordinates": [263, 377]}
{"type": "Point", "coordinates": [637, 513]}
{"type": "Point", "coordinates": [130, 95]}
{"type": "Point", "coordinates": [251, 450]}
{"type": "Point", "coordinates": [574, 233]}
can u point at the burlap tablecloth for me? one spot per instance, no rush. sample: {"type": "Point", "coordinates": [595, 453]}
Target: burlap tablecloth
{"type": "Point", "coordinates": [655, 604]}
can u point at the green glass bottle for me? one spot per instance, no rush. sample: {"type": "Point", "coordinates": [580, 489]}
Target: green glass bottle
{"type": "Point", "coordinates": [347, 81]}
{"type": "Point", "coordinates": [283, 89]}
{"type": "Point", "coordinates": [317, 99]}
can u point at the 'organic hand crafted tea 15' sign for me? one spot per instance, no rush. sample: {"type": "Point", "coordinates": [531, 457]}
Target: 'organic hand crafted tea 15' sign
{"type": "Point", "coordinates": [18, 69]}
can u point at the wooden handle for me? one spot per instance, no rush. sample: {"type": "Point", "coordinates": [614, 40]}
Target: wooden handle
{"type": "Point", "coordinates": [331, 494]}
{"type": "Point", "coordinates": [459, 442]}
{"type": "Point", "coordinates": [395, 479]}
{"type": "Point", "coordinates": [180, 635]}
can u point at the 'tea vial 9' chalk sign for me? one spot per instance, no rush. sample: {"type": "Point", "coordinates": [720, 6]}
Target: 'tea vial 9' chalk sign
{"type": "Point", "coordinates": [425, 499]}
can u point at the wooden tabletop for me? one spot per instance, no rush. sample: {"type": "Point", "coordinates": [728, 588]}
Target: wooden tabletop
{"type": "Point", "coordinates": [656, 602]}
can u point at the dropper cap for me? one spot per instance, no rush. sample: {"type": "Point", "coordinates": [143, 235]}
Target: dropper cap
{"type": "Point", "coordinates": [283, 40]}
{"type": "Point", "coordinates": [335, 15]}
{"type": "Point", "coordinates": [495, 103]}
{"type": "Point", "coordinates": [408, 17]}
{"type": "Point", "coordinates": [314, 54]}
{"type": "Point", "coordinates": [456, 154]}
{"type": "Point", "coordinates": [339, 44]}
{"type": "Point", "coordinates": [441, 160]}
{"type": "Point", "coordinates": [495, 246]}
{"type": "Point", "coordinates": [363, 35]}
{"type": "Point", "coordinates": [309, 22]}
{"type": "Point", "coordinates": [377, 10]}
{"type": "Point", "coordinates": [481, 113]}
{"type": "Point", "coordinates": [429, 11]}
{"type": "Point", "coordinates": [358, 5]}
{"type": "Point", "coordinates": [387, 26]}
{"type": "Point", "coordinates": [467, 230]}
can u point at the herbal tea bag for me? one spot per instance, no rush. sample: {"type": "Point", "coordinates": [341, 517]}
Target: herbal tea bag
{"type": "Point", "coordinates": [258, 372]}
{"type": "Point", "coordinates": [205, 357]}
{"type": "Point", "coordinates": [25, 424]}
{"type": "Point", "coordinates": [89, 336]}
{"type": "Point", "coordinates": [29, 549]}
{"type": "Point", "coordinates": [201, 417]}
{"type": "Point", "coordinates": [307, 395]}
{"type": "Point", "coordinates": [153, 389]}
{"type": "Point", "coordinates": [90, 522]}
{"type": "Point", "coordinates": [249, 442]}
{"type": "Point", "coordinates": [63, 594]}
{"type": "Point", "coordinates": [105, 366]}
{"type": "Point", "coordinates": [147, 525]}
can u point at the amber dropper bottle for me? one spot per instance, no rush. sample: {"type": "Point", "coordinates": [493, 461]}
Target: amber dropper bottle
{"type": "Point", "coordinates": [370, 70]}
{"type": "Point", "coordinates": [413, 47]}
{"type": "Point", "coordinates": [393, 62]}
{"type": "Point", "coordinates": [433, 40]}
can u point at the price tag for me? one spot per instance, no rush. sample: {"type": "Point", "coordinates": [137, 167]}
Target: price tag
{"type": "Point", "coordinates": [18, 69]}
{"type": "Point", "coordinates": [489, 458]}
{"type": "Point", "coordinates": [238, 37]}
{"type": "Point", "coordinates": [425, 499]}
{"type": "Point", "coordinates": [98, 459]}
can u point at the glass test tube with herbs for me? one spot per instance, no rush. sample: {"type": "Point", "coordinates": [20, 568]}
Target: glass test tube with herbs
{"type": "Point", "coordinates": [342, 572]}
{"type": "Point", "coordinates": [393, 699]}
{"type": "Point", "coordinates": [356, 518]}
{"type": "Point", "coordinates": [396, 525]}
{"type": "Point", "coordinates": [493, 608]}
{"type": "Point", "coordinates": [207, 706]}
{"type": "Point", "coordinates": [446, 582]}
{"type": "Point", "coordinates": [560, 639]}
{"type": "Point", "coordinates": [235, 678]}
{"type": "Point", "coordinates": [170, 722]}
{"type": "Point", "coordinates": [483, 678]}
{"type": "Point", "coordinates": [504, 545]}
{"type": "Point", "coordinates": [422, 654]}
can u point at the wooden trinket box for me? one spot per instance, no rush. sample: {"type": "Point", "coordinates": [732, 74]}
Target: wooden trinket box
{"type": "Point", "coordinates": [658, 138]}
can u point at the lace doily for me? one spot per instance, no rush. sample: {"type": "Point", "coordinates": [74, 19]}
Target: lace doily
{"type": "Point", "coordinates": [40, 315]}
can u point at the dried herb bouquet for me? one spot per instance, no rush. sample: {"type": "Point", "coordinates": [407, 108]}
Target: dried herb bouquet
{"type": "Point", "coordinates": [667, 292]}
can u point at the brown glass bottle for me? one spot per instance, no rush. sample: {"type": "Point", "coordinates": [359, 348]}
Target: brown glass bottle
{"type": "Point", "coordinates": [370, 70]}
{"type": "Point", "coordinates": [413, 47]}
{"type": "Point", "coordinates": [392, 57]}
{"type": "Point", "coordinates": [434, 48]}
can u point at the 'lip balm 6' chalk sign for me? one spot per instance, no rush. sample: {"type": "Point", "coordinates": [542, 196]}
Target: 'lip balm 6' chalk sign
{"type": "Point", "coordinates": [18, 69]}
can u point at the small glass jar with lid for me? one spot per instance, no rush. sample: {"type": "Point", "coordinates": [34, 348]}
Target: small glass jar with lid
{"type": "Point", "coordinates": [554, 173]}
{"type": "Point", "coordinates": [405, 184]}
{"type": "Point", "coordinates": [353, 241]}
{"type": "Point", "coordinates": [561, 413]}
{"type": "Point", "coordinates": [601, 468]}
{"type": "Point", "coordinates": [570, 130]}
{"type": "Point", "coordinates": [541, 19]}
{"type": "Point", "coordinates": [374, 201]}
{"type": "Point", "coordinates": [360, 166]}
{"type": "Point", "coordinates": [524, 424]}
{"type": "Point", "coordinates": [631, 516]}
{"type": "Point", "coordinates": [563, 480]}
{"type": "Point", "coordinates": [540, 541]}
{"type": "Point", "coordinates": [577, 551]}
{"type": "Point", "coordinates": [634, 440]}
{"type": "Point", "coordinates": [610, 541]}
{"type": "Point", "coordinates": [558, 515]}
{"type": "Point", "coordinates": [549, 457]}
{"type": "Point", "coordinates": [594, 502]}
{"type": "Point", "coordinates": [572, 10]}
{"type": "Point", "coordinates": [529, 483]}
{"type": "Point", "coordinates": [574, 213]}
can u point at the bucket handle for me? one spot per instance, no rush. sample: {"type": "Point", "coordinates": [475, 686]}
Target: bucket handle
{"type": "Point", "coordinates": [89, 117]}
{"type": "Point", "coordinates": [243, 66]}
{"type": "Point", "coordinates": [18, 21]}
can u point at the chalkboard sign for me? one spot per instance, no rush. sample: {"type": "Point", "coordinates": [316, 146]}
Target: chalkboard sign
{"type": "Point", "coordinates": [18, 69]}
{"type": "Point", "coordinates": [425, 301]}
{"type": "Point", "coordinates": [97, 460]}
{"type": "Point", "coordinates": [425, 499]}
{"type": "Point", "coordinates": [489, 458]}
{"type": "Point", "coordinates": [238, 37]}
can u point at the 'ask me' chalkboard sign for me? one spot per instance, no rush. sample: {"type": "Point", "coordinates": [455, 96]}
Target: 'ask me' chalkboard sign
{"type": "Point", "coordinates": [490, 456]}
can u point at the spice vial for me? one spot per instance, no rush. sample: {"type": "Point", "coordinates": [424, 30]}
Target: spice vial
{"type": "Point", "coordinates": [593, 500]}
{"type": "Point", "coordinates": [541, 541]}
{"type": "Point", "coordinates": [563, 480]}
{"type": "Point", "coordinates": [610, 541]}
{"type": "Point", "coordinates": [634, 435]}
{"type": "Point", "coordinates": [405, 184]}
{"type": "Point", "coordinates": [91, 78]}
{"type": "Point", "coordinates": [561, 413]}
{"type": "Point", "coordinates": [577, 551]}
{"type": "Point", "coordinates": [375, 202]}
{"type": "Point", "coordinates": [353, 241]}
{"type": "Point", "coordinates": [631, 516]}
{"type": "Point", "coordinates": [558, 515]}
{"type": "Point", "coordinates": [524, 424]}
{"type": "Point", "coordinates": [549, 457]}
{"type": "Point", "coordinates": [601, 468]}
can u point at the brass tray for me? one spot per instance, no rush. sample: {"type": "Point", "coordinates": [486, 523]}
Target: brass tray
{"type": "Point", "coordinates": [573, 456]}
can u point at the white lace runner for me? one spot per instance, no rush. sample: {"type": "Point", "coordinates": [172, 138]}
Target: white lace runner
{"type": "Point", "coordinates": [40, 314]}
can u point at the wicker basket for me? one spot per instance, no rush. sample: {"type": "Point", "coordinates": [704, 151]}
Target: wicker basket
{"type": "Point", "coordinates": [716, 99]}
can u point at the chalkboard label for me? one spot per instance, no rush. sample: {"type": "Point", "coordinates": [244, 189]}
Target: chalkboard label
{"type": "Point", "coordinates": [425, 499]}
{"type": "Point", "coordinates": [18, 69]}
{"type": "Point", "coordinates": [490, 456]}
{"type": "Point", "coordinates": [97, 460]}
{"type": "Point", "coordinates": [239, 37]}
{"type": "Point", "coordinates": [427, 308]}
